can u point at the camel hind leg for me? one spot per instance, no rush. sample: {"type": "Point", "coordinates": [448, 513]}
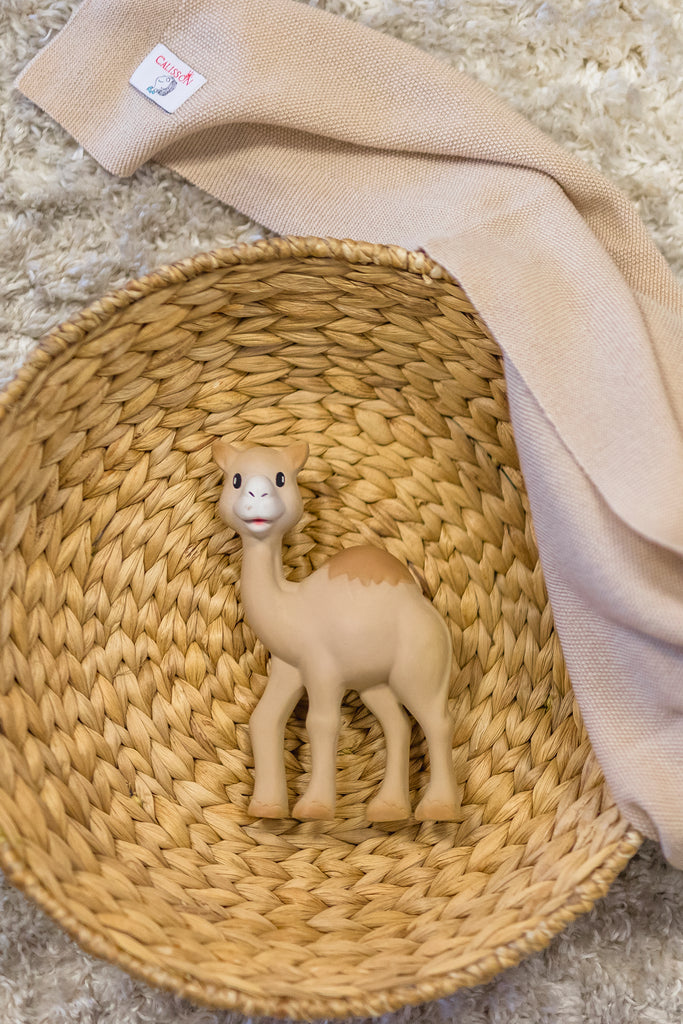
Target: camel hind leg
{"type": "Point", "coordinates": [440, 801]}
{"type": "Point", "coordinates": [392, 800]}
{"type": "Point", "coordinates": [420, 679]}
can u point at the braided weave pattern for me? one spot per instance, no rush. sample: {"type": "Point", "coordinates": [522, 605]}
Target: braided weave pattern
{"type": "Point", "coordinates": [128, 673]}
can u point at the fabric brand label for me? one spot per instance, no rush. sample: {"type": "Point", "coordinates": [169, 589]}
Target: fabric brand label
{"type": "Point", "coordinates": [165, 79]}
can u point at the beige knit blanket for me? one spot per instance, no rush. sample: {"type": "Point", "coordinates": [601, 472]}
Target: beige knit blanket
{"type": "Point", "coordinates": [315, 125]}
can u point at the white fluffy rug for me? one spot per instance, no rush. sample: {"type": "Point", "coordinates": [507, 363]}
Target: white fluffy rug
{"type": "Point", "coordinates": [603, 77]}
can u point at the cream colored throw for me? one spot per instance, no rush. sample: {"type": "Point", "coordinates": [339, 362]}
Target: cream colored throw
{"type": "Point", "coordinates": [314, 125]}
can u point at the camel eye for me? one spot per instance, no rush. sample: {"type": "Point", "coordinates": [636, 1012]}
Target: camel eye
{"type": "Point", "coordinates": [237, 481]}
{"type": "Point", "coordinates": [280, 480]}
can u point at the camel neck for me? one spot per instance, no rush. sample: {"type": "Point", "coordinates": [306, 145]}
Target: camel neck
{"type": "Point", "coordinates": [267, 595]}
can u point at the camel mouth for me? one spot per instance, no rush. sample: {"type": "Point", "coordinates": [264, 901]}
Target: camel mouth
{"type": "Point", "coordinates": [258, 521]}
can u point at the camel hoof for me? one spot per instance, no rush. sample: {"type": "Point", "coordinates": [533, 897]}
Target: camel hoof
{"type": "Point", "coordinates": [381, 809]}
{"type": "Point", "coordinates": [312, 810]}
{"type": "Point", "coordinates": [432, 809]}
{"type": "Point", "coordinates": [263, 809]}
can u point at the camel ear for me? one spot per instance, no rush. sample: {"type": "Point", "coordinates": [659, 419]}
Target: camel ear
{"type": "Point", "coordinates": [297, 455]}
{"type": "Point", "coordinates": [223, 454]}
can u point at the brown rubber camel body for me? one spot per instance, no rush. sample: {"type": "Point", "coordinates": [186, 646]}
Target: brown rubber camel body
{"type": "Point", "coordinates": [358, 622]}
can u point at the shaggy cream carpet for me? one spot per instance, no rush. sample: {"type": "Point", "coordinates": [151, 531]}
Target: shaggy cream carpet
{"type": "Point", "coordinates": [603, 77]}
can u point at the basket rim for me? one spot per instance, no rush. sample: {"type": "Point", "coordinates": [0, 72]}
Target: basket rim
{"type": "Point", "coordinates": [582, 898]}
{"type": "Point", "coordinates": [224, 998]}
{"type": "Point", "coordinates": [264, 250]}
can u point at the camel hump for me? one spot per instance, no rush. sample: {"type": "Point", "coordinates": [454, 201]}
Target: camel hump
{"type": "Point", "coordinates": [369, 564]}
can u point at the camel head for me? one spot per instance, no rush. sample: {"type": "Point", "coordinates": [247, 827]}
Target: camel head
{"type": "Point", "coordinates": [260, 496]}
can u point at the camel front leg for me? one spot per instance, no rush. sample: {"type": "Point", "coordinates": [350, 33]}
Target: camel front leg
{"type": "Point", "coordinates": [323, 723]}
{"type": "Point", "coordinates": [267, 730]}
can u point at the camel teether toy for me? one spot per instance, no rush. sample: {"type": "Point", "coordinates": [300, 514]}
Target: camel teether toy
{"type": "Point", "coordinates": [359, 622]}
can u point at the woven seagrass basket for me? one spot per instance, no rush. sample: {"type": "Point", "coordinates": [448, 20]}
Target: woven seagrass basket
{"type": "Point", "coordinates": [128, 673]}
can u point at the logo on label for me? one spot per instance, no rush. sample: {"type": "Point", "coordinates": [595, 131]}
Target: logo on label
{"type": "Point", "coordinates": [163, 85]}
{"type": "Point", "coordinates": [166, 79]}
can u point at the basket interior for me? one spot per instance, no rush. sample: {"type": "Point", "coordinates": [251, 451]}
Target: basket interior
{"type": "Point", "coordinates": [129, 674]}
